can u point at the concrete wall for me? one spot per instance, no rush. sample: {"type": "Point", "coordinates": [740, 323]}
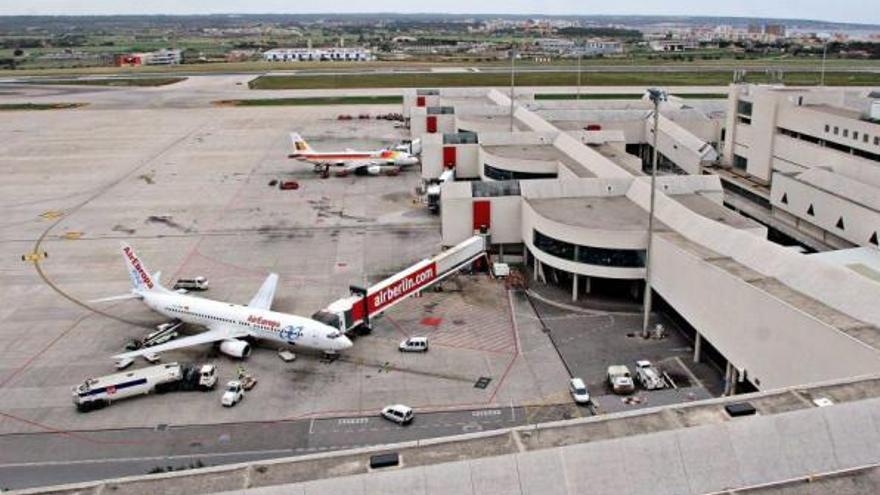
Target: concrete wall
{"type": "Point", "coordinates": [860, 222]}
{"type": "Point", "coordinates": [758, 333]}
{"type": "Point", "coordinates": [457, 215]}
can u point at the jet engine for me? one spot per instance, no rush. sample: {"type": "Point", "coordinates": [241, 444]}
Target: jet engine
{"type": "Point", "coordinates": [235, 348]}
{"type": "Point", "coordinates": [374, 169]}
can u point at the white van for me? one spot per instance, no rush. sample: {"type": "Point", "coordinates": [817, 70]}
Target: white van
{"type": "Point", "coordinates": [414, 344]}
{"type": "Point", "coordinates": [398, 413]}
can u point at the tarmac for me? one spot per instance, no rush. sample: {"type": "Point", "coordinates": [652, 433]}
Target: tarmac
{"type": "Point", "coordinates": [187, 185]}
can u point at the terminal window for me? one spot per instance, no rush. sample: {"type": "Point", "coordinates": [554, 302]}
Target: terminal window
{"type": "Point", "coordinates": [620, 258]}
{"type": "Point", "coordinates": [740, 162]}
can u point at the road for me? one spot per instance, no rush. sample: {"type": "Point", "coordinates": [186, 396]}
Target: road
{"type": "Point", "coordinates": [41, 459]}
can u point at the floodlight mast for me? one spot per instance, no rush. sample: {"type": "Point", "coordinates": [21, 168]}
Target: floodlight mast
{"type": "Point", "coordinates": [656, 95]}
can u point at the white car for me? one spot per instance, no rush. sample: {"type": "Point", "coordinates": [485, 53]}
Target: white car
{"type": "Point", "coordinates": [579, 391]}
{"type": "Point", "coordinates": [398, 413]}
{"type": "Point", "coordinates": [414, 344]}
{"type": "Point", "coordinates": [648, 376]}
{"type": "Point", "coordinates": [233, 394]}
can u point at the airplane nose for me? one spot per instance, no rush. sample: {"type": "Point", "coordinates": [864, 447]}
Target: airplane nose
{"type": "Point", "coordinates": [345, 343]}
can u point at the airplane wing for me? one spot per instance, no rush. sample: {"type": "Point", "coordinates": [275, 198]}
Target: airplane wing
{"type": "Point", "coordinates": [263, 298]}
{"type": "Point", "coordinates": [214, 334]}
{"type": "Point", "coordinates": [352, 165]}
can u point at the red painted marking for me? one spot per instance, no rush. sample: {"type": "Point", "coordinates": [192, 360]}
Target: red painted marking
{"type": "Point", "coordinates": [431, 321]}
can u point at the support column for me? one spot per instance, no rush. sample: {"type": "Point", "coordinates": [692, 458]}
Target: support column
{"type": "Point", "coordinates": [501, 253]}
{"type": "Point", "coordinates": [698, 348]}
{"type": "Point", "coordinates": [574, 287]}
{"type": "Point", "coordinates": [728, 379]}
{"type": "Point", "coordinates": [535, 270]}
{"type": "Point", "coordinates": [588, 284]}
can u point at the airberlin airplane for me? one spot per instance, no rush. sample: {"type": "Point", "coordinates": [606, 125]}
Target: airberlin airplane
{"type": "Point", "coordinates": [365, 162]}
{"type": "Point", "coordinates": [226, 323]}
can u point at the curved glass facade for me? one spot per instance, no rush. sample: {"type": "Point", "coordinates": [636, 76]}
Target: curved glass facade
{"type": "Point", "coordinates": [500, 174]}
{"type": "Point", "coordinates": [620, 258]}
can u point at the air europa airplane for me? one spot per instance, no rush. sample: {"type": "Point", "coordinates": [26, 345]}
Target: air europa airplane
{"type": "Point", "coordinates": [367, 162]}
{"type": "Point", "coordinates": [226, 323]}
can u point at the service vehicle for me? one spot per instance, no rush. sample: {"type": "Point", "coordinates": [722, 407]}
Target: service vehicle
{"type": "Point", "coordinates": [579, 391]}
{"type": "Point", "coordinates": [414, 344]}
{"type": "Point", "coordinates": [648, 376]}
{"type": "Point", "coordinates": [288, 185]}
{"type": "Point", "coordinates": [233, 394]}
{"type": "Point", "coordinates": [164, 332]}
{"type": "Point", "coordinates": [95, 393]}
{"type": "Point", "coordinates": [398, 413]}
{"type": "Point", "coordinates": [286, 355]}
{"type": "Point", "coordinates": [197, 283]}
{"type": "Point", "coordinates": [433, 189]}
{"type": "Point", "coordinates": [620, 379]}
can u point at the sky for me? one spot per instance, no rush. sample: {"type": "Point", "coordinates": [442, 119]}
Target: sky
{"type": "Point", "coordinates": [858, 11]}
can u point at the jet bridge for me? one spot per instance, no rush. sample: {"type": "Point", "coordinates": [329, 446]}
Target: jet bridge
{"type": "Point", "coordinates": [359, 308]}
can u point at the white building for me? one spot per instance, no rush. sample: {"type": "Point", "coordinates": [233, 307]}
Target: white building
{"type": "Point", "coordinates": [353, 54]}
{"type": "Point", "coordinates": [577, 215]}
{"type": "Point", "coordinates": [165, 56]}
{"type": "Point", "coordinates": [817, 155]}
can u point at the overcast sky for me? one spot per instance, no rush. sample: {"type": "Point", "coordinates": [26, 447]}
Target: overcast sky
{"type": "Point", "coordinates": [862, 11]}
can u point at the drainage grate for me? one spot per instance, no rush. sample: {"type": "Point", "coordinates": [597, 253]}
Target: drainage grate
{"type": "Point", "coordinates": [483, 382]}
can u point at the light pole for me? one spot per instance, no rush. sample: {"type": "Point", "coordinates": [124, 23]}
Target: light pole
{"type": "Point", "coordinates": [578, 96]}
{"type": "Point", "coordinates": [512, 81]}
{"type": "Point", "coordinates": [656, 95]}
{"type": "Point", "coordinates": [824, 54]}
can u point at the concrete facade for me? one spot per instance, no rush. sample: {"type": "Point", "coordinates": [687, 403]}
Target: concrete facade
{"type": "Point", "coordinates": [767, 309]}
{"type": "Point", "coordinates": [818, 153]}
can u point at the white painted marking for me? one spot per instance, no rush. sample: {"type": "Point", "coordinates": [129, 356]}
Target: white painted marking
{"type": "Point", "coordinates": [486, 412]}
{"type": "Point", "coordinates": [354, 421]}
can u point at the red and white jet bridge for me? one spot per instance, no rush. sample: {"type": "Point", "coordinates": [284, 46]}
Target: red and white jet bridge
{"type": "Point", "coordinates": [356, 310]}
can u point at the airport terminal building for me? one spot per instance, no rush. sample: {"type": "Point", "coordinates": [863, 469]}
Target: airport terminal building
{"type": "Point", "coordinates": [572, 201]}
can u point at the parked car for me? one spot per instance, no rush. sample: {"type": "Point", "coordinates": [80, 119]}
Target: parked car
{"type": "Point", "coordinates": [620, 379]}
{"type": "Point", "coordinates": [414, 344]}
{"type": "Point", "coordinates": [288, 185]}
{"type": "Point", "coordinates": [233, 394]}
{"type": "Point", "coordinates": [579, 391]}
{"type": "Point", "coordinates": [398, 413]}
{"type": "Point", "coordinates": [649, 376]}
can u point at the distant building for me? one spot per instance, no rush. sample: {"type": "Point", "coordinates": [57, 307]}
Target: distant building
{"type": "Point", "coordinates": [318, 55]}
{"type": "Point", "coordinates": [600, 47]}
{"type": "Point", "coordinates": [165, 56]}
{"type": "Point", "coordinates": [673, 45]}
{"type": "Point", "coordinates": [776, 30]}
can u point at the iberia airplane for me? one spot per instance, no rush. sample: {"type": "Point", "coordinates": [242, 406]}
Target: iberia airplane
{"type": "Point", "coordinates": [226, 323]}
{"type": "Point", "coordinates": [366, 162]}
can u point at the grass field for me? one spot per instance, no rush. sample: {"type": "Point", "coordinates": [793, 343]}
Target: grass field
{"type": "Point", "coordinates": [116, 81]}
{"type": "Point", "coordinates": [326, 100]}
{"type": "Point", "coordinates": [6, 107]}
{"type": "Point", "coordinates": [622, 96]}
{"type": "Point", "coordinates": [262, 66]}
{"type": "Point", "coordinates": [414, 80]}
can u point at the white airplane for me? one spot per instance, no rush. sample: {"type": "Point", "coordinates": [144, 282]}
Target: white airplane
{"type": "Point", "coordinates": [226, 323]}
{"type": "Point", "coordinates": [361, 162]}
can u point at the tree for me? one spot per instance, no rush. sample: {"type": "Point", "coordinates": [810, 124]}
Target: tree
{"type": "Point", "coordinates": [18, 52]}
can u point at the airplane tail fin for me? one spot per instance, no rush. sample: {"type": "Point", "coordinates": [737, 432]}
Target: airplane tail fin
{"type": "Point", "coordinates": [141, 280]}
{"type": "Point", "coordinates": [300, 145]}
